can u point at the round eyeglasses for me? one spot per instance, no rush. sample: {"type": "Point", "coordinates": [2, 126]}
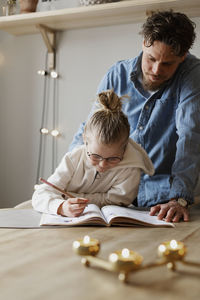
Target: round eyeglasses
{"type": "Point", "coordinates": [97, 158]}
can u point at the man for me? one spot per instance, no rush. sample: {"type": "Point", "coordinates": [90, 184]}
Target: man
{"type": "Point", "coordinates": [163, 111]}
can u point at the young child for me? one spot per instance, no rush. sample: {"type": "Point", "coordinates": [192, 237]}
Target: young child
{"type": "Point", "coordinates": [105, 170]}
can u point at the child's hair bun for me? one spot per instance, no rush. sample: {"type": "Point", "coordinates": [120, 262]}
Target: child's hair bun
{"type": "Point", "coordinates": [108, 121]}
{"type": "Point", "coordinates": [110, 101]}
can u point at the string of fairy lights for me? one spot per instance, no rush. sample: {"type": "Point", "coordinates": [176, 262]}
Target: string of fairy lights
{"type": "Point", "coordinates": [49, 120]}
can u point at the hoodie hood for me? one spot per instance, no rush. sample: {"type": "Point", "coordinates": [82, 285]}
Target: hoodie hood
{"type": "Point", "coordinates": [136, 157]}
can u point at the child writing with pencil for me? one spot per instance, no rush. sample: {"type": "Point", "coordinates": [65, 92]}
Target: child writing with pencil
{"type": "Point", "coordinates": [105, 170]}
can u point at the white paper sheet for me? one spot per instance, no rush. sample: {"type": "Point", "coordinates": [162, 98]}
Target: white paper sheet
{"type": "Point", "coordinates": [19, 218]}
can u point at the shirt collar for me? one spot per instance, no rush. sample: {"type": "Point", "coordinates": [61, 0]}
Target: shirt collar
{"type": "Point", "coordinates": [136, 71]}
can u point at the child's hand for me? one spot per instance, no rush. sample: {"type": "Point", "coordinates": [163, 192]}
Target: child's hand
{"type": "Point", "coordinates": [72, 207]}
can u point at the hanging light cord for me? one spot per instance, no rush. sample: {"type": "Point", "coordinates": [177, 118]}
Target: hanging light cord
{"type": "Point", "coordinates": [44, 121]}
{"type": "Point", "coordinates": [44, 108]}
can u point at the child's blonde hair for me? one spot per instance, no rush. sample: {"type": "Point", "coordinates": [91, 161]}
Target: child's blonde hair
{"type": "Point", "coordinates": [109, 122]}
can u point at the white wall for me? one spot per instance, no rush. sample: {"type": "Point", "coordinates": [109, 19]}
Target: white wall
{"type": "Point", "coordinates": [83, 57]}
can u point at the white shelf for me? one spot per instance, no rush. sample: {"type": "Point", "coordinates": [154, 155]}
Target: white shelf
{"type": "Point", "coordinates": [97, 15]}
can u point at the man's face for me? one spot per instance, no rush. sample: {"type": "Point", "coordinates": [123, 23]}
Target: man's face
{"type": "Point", "coordinates": [158, 64]}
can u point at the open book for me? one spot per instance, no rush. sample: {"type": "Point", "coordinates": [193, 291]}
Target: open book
{"type": "Point", "coordinates": [106, 216]}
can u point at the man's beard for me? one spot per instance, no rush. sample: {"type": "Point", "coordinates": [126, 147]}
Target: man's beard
{"type": "Point", "coordinates": [151, 86]}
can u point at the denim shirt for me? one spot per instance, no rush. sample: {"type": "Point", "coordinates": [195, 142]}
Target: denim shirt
{"type": "Point", "coordinates": [166, 124]}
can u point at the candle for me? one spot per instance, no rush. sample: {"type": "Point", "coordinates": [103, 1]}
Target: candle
{"type": "Point", "coordinates": [172, 250]}
{"type": "Point", "coordinates": [86, 246]}
{"type": "Point", "coordinates": [125, 260]}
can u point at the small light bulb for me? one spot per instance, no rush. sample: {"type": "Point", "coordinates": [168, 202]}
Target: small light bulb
{"type": "Point", "coordinates": [173, 244]}
{"type": "Point", "coordinates": [44, 130]}
{"type": "Point", "coordinates": [42, 72]}
{"type": "Point", "coordinates": [54, 74]}
{"type": "Point", "coordinates": [162, 248]}
{"type": "Point", "coordinates": [55, 133]}
{"type": "Point", "coordinates": [86, 239]}
{"type": "Point", "coordinates": [113, 257]}
{"type": "Point", "coordinates": [76, 244]}
{"type": "Point", "coordinates": [125, 253]}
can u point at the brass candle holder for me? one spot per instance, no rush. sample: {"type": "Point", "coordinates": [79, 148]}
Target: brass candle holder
{"type": "Point", "coordinates": [86, 246]}
{"type": "Point", "coordinates": [126, 261]}
{"type": "Point", "coordinates": [172, 252]}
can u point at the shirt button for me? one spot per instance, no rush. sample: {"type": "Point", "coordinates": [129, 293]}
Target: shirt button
{"type": "Point", "coordinates": [147, 107]}
{"type": "Point", "coordinates": [141, 127]}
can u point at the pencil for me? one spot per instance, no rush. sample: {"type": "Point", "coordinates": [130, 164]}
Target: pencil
{"type": "Point", "coordinates": [57, 188]}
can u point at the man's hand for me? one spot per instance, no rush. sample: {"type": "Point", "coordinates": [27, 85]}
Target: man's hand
{"type": "Point", "coordinates": [171, 212]}
{"type": "Point", "coordinates": [72, 207]}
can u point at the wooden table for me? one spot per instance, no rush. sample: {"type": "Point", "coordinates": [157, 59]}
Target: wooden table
{"type": "Point", "coordinates": [40, 264]}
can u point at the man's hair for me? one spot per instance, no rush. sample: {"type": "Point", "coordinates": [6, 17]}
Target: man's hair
{"type": "Point", "coordinates": [172, 28]}
{"type": "Point", "coordinates": [108, 122]}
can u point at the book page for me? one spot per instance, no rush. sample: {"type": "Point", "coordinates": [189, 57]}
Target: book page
{"type": "Point", "coordinates": [91, 215]}
{"type": "Point", "coordinates": [123, 215]}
